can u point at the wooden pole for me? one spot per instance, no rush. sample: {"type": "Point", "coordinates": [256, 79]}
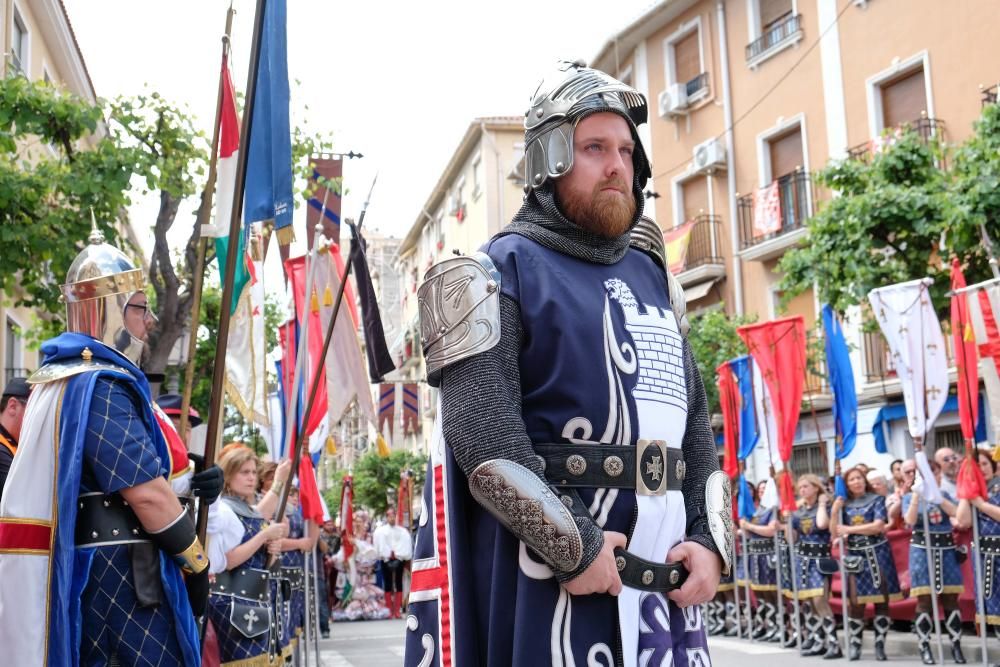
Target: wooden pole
{"type": "Point", "coordinates": [198, 270]}
{"type": "Point", "coordinates": [235, 229]}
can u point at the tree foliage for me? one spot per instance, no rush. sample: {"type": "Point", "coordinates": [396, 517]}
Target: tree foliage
{"type": "Point", "coordinates": [714, 340]}
{"type": "Point", "coordinates": [975, 195]}
{"type": "Point", "coordinates": [375, 478]}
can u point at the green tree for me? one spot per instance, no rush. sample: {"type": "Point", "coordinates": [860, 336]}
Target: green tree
{"type": "Point", "coordinates": [375, 477]}
{"type": "Point", "coordinates": [885, 226]}
{"type": "Point", "coordinates": [714, 340]}
{"type": "Point", "coordinates": [975, 193]}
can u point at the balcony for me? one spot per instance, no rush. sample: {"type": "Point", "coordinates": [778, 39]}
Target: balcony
{"type": "Point", "coordinates": [880, 367]}
{"type": "Point", "coordinates": [989, 94]}
{"type": "Point", "coordinates": [774, 37]}
{"type": "Point", "coordinates": [696, 87]}
{"type": "Point", "coordinates": [925, 128]}
{"type": "Point", "coordinates": [694, 251]}
{"type": "Point", "coordinates": [773, 219]}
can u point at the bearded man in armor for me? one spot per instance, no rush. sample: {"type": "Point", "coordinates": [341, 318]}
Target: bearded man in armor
{"type": "Point", "coordinates": [574, 512]}
{"type": "Point", "coordinates": [99, 561]}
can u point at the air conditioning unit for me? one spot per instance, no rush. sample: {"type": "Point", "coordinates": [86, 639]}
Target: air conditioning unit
{"type": "Point", "coordinates": [673, 101]}
{"type": "Point", "coordinates": [709, 154]}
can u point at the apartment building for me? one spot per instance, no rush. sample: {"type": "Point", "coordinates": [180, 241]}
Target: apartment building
{"type": "Point", "coordinates": [478, 192]}
{"type": "Point", "coordinates": [37, 42]}
{"type": "Point", "coordinates": [748, 98]}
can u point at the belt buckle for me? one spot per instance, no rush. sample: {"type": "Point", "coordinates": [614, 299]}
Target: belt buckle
{"type": "Point", "coordinates": [651, 467]}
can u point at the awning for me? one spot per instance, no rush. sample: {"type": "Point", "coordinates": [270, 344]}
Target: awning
{"type": "Point", "coordinates": [698, 291]}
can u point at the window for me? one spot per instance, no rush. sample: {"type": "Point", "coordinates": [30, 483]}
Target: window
{"type": "Point", "coordinates": [19, 46]}
{"type": "Point", "coordinates": [13, 357]}
{"type": "Point", "coordinates": [785, 153]}
{"type": "Point", "coordinates": [903, 98]}
{"type": "Point", "coordinates": [808, 458]}
{"type": "Point", "coordinates": [694, 195]}
{"type": "Point", "coordinates": [477, 165]}
{"type": "Point", "coordinates": [774, 26]}
{"type": "Point", "coordinates": [945, 436]}
{"type": "Point", "coordinates": [684, 62]}
{"type": "Point", "coordinates": [773, 12]}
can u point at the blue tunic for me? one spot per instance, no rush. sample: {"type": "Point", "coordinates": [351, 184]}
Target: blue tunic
{"type": "Point", "coordinates": [948, 573]}
{"type": "Point", "coordinates": [601, 361]}
{"type": "Point", "coordinates": [809, 538]}
{"type": "Point", "coordinates": [877, 582]}
{"type": "Point", "coordinates": [297, 603]}
{"type": "Point", "coordinates": [761, 557]}
{"type": "Point", "coordinates": [989, 537]}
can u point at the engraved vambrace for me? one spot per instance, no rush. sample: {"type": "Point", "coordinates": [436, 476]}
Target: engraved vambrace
{"type": "Point", "coordinates": [527, 508]}
{"type": "Point", "coordinates": [719, 508]}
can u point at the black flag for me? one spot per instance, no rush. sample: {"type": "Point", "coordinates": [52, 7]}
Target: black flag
{"type": "Point", "coordinates": [379, 359]}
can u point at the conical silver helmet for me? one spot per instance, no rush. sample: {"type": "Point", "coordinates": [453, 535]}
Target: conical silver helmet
{"type": "Point", "coordinates": [98, 286]}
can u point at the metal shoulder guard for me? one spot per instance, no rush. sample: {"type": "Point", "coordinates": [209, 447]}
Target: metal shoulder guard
{"type": "Point", "coordinates": [719, 508]}
{"type": "Point", "coordinates": [459, 303]}
{"type": "Point", "coordinates": [525, 506]}
{"type": "Point", "coordinates": [648, 237]}
{"type": "Point", "coordinates": [61, 370]}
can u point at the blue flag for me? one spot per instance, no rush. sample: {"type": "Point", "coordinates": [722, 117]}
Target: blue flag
{"type": "Point", "coordinates": [268, 194]}
{"type": "Point", "coordinates": [745, 507]}
{"type": "Point", "coordinates": [743, 370]}
{"type": "Point", "coordinates": [841, 377]}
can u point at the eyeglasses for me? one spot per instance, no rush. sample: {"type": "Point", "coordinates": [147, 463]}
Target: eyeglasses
{"type": "Point", "coordinates": [951, 458]}
{"type": "Point", "coordinates": [909, 472]}
{"type": "Point", "coordinates": [146, 310]}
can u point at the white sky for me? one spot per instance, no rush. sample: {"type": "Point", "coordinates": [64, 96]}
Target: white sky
{"type": "Point", "coordinates": [397, 81]}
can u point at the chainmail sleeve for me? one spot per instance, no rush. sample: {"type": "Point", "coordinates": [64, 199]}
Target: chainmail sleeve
{"type": "Point", "coordinates": [700, 455]}
{"type": "Point", "coordinates": [491, 427]}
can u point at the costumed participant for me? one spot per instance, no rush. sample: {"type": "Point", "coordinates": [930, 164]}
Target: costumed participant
{"type": "Point", "coordinates": [364, 599]}
{"type": "Point", "coordinates": [394, 546]}
{"type": "Point", "coordinates": [813, 567]}
{"type": "Point", "coordinates": [240, 604]}
{"type": "Point", "coordinates": [761, 561]}
{"type": "Point", "coordinates": [984, 457]}
{"type": "Point", "coordinates": [872, 570]}
{"type": "Point", "coordinates": [989, 550]}
{"type": "Point", "coordinates": [293, 561]}
{"type": "Point", "coordinates": [947, 579]}
{"type": "Point", "coordinates": [12, 404]}
{"type": "Point", "coordinates": [100, 578]}
{"type": "Point", "coordinates": [589, 429]}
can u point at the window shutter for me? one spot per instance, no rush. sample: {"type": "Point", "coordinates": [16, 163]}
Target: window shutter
{"type": "Point", "coordinates": [772, 11]}
{"type": "Point", "coordinates": [904, 99]}
{"type": "Point", "coordinates": [687, 58]}
{"type": "Point", "coordinates": [786, 153]}
{"type": "Point", "coordinates": [695, 197]}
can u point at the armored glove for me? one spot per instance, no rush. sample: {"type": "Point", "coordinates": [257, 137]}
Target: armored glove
{"type": "Point", "coordinates": [205, 484]}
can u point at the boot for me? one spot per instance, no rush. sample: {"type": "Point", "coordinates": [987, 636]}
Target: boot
{"type": "Point", "coordinates": [809, 637]}
{"type": "Point", "coordinates": [881, 625]}
{"type": "Point", "coordinates": [730, 622]}
{"type": "Point", "coordinates": [760, 627]}
{"type": "Point", "coordinates": [720, 617]}
{"type": "Point", "coordinates": [399, 604]}
{"type": "Point", "coordinates": [856, 628]}
{"type": "Point", "coordinates": [833, 650]}
{"type": "Point", "coordinates": [815, 633]}
{"type": "Point", "coordinates": [388, 604]}
{"type": "Point", "coordinates": [923, 626]}
{"type": "Point", "coordinates": [773, 631]}
{"type": "Point", "coordinates": [710, 615]}
{"type": "Point", "coordinates": [953, 624]}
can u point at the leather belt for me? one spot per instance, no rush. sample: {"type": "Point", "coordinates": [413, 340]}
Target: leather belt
{"type": "Point", "coordinates": [938, 540]}
{"type": "Point", "coordinates": [294, 576]}
{"type": "Point", "coordinates": [103, 520]}
{"type": "Point", "coordinates": [760, 547]}
{"type": "Point", "coordinates": [990, 544]}
{"type": "Point", "coordinates": [646, 575]}
{"type": "Point", "coordinates": [812, 550]}
{"type": "Point", "coordinates": [864, 541]}
{"type": "Point", "coordinates": [650, 468]}
{"type": "Point", "coordinates": [246, 582]}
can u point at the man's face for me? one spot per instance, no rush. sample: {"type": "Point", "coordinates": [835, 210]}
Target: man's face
{"type": "Point", "coordinates": [897, 471]}
{"type": "Point", "coordinates": [597, 192]}
{"type": "Point", "coordinates": [13, 415]}
{"type": "Point", "coordinates": [390, 517]}
{"type": "Point", "coordinates": [909, 471]}
{"type": "Point", "coordinates": [139, 319]}
{"type": "Point", "coordinates": [879, 485]}
{"type": "Point", "coordinates": [948, 461]}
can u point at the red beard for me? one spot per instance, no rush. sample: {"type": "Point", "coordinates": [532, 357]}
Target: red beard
{"type": "Point", "coordinates": [608, 214]}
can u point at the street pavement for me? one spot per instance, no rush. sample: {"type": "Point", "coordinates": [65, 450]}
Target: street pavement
{"type": "Point", "coordinates": [380, 644]}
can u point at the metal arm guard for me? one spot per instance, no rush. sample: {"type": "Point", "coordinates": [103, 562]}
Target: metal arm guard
{"type": "Point", "coordinates": [527, 508]}
{"type": "Point", "coordinates": [719, 507]}
{"type": "Point", "coordinates": [459, 303]}
{"type": "Point", "coordinates": [647, 237]}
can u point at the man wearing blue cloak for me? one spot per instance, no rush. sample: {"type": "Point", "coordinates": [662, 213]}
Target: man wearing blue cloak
{"type": "Point", "coordinates": [574, 512]}
{"type": "Point", "coordinates": [100, 563]}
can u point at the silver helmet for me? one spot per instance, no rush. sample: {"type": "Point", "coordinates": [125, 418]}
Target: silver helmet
{"type": "Point", "coordinates": [98, 286]}
{"type": "Point", "coordinates": [560, 102]}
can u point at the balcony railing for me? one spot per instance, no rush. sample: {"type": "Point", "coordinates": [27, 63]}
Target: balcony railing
{"type": "Point", "coordinates": [702, 244]}
{"type": "Point", "coordinates": [696, 85]}
{"type": "Point", "coordinates": [925, 128]}
{"type": "Point", "coordinates": [774, 34]}
{"type": "Point", "coordinates": [794, 206]}
{"type": "Point", "coordinates": [879, 364]}
{"type": "Point", "coordinates": [990, 94]}
{"type": "Point", "coordinates": [11, 373]}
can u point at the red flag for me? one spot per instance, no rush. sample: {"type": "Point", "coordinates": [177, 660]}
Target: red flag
{"type": "Point", "coordinates": [347, 516]}
{"type": "Point", "coordinates": [778, 348]}
{"type": "Point", "coordinates": [970, 482]}
{"type": "Point", "coordinates": [308, 316]}
{"type": "Point", "coordinates": [404, 500]}
{"type": "Point", "coordinates": [312, 505]}
{"type": "Point", "coordinates": [730, 418]}
{"type": "Point", "coordinates": [786, 491]}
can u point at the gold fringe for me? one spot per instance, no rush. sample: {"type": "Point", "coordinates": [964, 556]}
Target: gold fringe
{"type": "Point", "coordinates": [285, 235]}
{"type": "Point", "coordinates": [763, 587]}
{"type": "Point", "coordinates": [926, 590]}
{"type": "Point", "coordinates": [314, 301]}
{"type": "Point", "coordinates": [806, 594]}
{"type": "Point", "coordinates": [991, 619]}
{"type": "Point", "coordinates": [725, 587]}
{"type": "Point", "coordinates": [256, 661]}
{"type": "Point", "coordinates": [327, 296]}
{"type": "Point", "coordinates": [863, 599]}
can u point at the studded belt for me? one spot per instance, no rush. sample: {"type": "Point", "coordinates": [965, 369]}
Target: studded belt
{"type": "Point", "coordinates": [812, 550]}
{"type": "Point", "coordinates": [938, 540]}
{"type": "Point", "coordinates": [646, 575]}
{"type": "Point", "coordinates": [760, 547]}
{"type": "Point", "coordinates": [650, 468]}
{"type": "Point", "coordinates": [990, 544]}
{"type": "Point", "coordinates": [103, 520]}
{"type": "Point", "coordinates": [294, 576]}
{"type": "Point", "coordinates": [864, 541]}
{"type": "Point", "coordinates": [246, 582]}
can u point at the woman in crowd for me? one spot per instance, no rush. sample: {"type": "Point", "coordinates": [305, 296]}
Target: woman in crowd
{"type": "Point", "coordinates": [239, 606]}
{"type": "Point", "coordinates": [947, 579]}
{"type": "Point", "coordinates": [862, 520]}
{"type": "Point", "coordinates": [988, 516]}
{"type": "Point", "coordinates": [760, 531]}
{"type": "Point", "coordinates": [360, 596]}
{"type": "Point", "coordinates": [989, 467]}
{"type": "Point", "coordinates": [810, 528]}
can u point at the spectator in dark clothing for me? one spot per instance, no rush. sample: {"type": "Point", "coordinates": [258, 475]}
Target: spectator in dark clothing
{"type": "Point", "coordinates": [15, 397]}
